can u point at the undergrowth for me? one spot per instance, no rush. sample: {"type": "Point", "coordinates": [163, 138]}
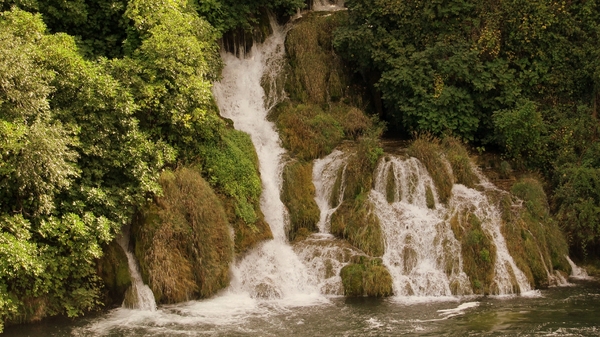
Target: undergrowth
{"type": "Point", "coordinates": [230, 164]}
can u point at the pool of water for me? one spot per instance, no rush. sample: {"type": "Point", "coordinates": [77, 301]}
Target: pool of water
{"type": "Point", "coordinates": [562, 311]}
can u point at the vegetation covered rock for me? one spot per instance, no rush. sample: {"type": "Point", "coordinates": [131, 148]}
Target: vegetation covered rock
{"type": "Point", "coordinates": [366, 277]}
{"type": "Point", "coordinates": [183, 241]}
{"type": "Point", "coordinates": [533, 237]}
{"type": "Point", "coordinates": [298, 195]}
{"type": "Point", "coordinates": [113, 269]}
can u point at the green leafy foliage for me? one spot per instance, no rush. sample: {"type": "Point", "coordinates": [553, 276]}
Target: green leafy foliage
{"type": "Point", "coordinates": [227, 15]}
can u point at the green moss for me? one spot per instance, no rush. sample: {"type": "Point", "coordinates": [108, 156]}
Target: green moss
{"type": "Point", "coordinates": [230, 165]}
{"type": "Point", "coordinates": [113, 269]}
{"type": "Point", "coordinates": [390, 186]}
{"type": "Point", "coordinates": [428, 150]}
{"type": "Point", "coordinates": [357, 222]}
{"type": "Point", "coordinates": [182, 239]}
{"type": "Point", "coordinates": [429, 199]}
{"type": "Point", "coordinates": [298, 195]}
{"type": "Point", "coordinates": [533, 238]}
{"type": "Point", "coordinates": [366, 277]}
{"type": "Point", "coordinates": [477, 250]}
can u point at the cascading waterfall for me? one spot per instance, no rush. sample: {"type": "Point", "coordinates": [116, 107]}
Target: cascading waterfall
{"type": "Point", "coordinates": [327, 172]}
{"type": "Point", "coordinates": [272, 270]}
{"type": "Point", "coordinates": [138, 296]}
{"type": "Point", "coordinates": [577, 272]}
{"type": "Point", "coordinates": [422, 253]}
{"type": "Point", "coordinates": [322, 252]}
{"type": "Point", "coordinates": [507, 275]}
{"type": "Point", "coordinates": [327, 5]}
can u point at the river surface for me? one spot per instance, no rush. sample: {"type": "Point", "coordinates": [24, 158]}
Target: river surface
{"type": "Point", "coordinates": [561, 311]}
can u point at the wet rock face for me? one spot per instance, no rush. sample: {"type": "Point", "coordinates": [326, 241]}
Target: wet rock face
{"type": "Point", "coordinates": [112, 269]}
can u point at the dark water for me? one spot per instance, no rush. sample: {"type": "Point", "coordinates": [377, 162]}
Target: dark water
{"type": "Point", "coordinates": [563, 311]}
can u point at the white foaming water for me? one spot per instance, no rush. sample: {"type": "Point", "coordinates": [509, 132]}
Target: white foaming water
{"type": "Point", "coordinates": [328, 5]}
{"type": "Point", "coordinates": [325, 256]}
{"type": "Point", "coordinates": [139, 296]}
{"type": "Point", "coordinates": [422, 254]}
{"type": "Point", "coordinates": [272, 270]}
{"type": "Point", "coordinates": [325, 175]}
{"type": "Point", "coordinates": [577, 272]}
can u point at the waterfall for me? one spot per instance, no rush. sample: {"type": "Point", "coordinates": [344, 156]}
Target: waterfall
{"type": "Point", "coordinates": [422, 252]}
{"type": "Point", "coordinates": [139, 295]}
{"type": "Point", "coordinates": [328, 174]}
{"type": "Point", "coordinates": [327, 5]}
{"type": "Point", "coordinates": [272, 270]}
{"type": "Point", "coordinates": [577, 272]}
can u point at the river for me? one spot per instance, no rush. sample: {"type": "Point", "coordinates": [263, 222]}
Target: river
{"type": "Point", "coordinates": [559, 311]}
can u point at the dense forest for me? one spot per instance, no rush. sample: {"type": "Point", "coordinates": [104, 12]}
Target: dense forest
{"type": "Point", "coordinates": [106, 106]}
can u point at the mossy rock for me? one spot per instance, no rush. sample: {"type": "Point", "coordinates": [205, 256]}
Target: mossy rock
{"type": "Point", "coordinates": [457, 155]}
{"type": "Point", "coordinates": [298, 195]}
{"type": "Point", "coordinates": [428, 150]}
{"type": "Point", "coordinates": [317, 74]}
{"type": "Point", "coordinates": [477, 250]}
{"type": "Point", "coordinates": [533, 238]}
{"type": "Point", "coordinates": [113, 269]}
{"type": "Point", "coordinates": [356, 222]}
{"type": "Point", "coordinates": [230, 165]}
{"type": "Point", "coordinates": [307, 131]}
{"type": "Point", "coordinates": [182, 240]}
{"type": "Point", "coordinates": [366, 277]}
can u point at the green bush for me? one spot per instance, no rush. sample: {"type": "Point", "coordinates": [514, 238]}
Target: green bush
{"type": "Point", "coordinates": [577, 204]}
{"type": "Point", "coordinates": [230, 164]}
